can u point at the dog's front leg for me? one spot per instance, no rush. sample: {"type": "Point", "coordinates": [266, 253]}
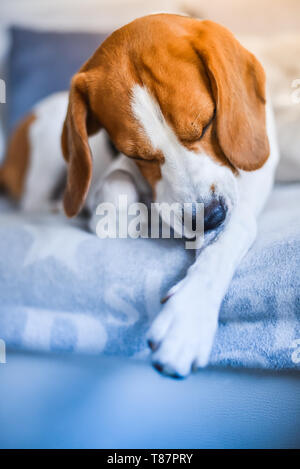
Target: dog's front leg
{"type": "Point", "coordinates": [182, 335]}
{"type": "Point", "coordinates": [120, 179]}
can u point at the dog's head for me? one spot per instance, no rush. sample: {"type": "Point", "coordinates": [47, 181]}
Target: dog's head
{"type": "Point", "coordinates": [180, 96]}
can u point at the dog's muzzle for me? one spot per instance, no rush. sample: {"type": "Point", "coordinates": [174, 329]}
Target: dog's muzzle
{"type": "Point", "coordinates": [215, 212]}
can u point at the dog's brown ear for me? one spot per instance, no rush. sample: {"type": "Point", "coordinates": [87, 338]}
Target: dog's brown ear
{"type": "Point", "coordinates": [79, 124]}
{"type": "Point", "coordinates": [238, 86]}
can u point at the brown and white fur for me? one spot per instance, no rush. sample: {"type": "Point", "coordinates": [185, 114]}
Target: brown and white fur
{"type": "Point", "coordinates": [185, 105]}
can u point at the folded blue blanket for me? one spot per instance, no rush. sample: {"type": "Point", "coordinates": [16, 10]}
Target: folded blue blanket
{"type": "Point", "coordinates": [63, 289]}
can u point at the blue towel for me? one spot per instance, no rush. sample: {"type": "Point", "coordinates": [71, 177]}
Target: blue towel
{"type": "Point", "coordinates": [64, 290]}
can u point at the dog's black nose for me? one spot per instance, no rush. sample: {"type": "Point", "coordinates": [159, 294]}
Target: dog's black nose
{"type": "Point", "coordinates": [214, 213]}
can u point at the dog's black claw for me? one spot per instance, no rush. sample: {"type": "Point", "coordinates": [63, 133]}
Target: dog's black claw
{"type": "Point", "coordinates": [152, 345]}
{"type": "Point", "coordinates": [165, 299]}
{"type": "Point", "coordinates": [161, 369]}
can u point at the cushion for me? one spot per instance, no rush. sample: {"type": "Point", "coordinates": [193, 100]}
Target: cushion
{"type": "Point", "coordinates": [279, 55]}
{"type": "Point", "coordinates": [62, 289]}
{"type": "Point", "coordinates": [42, 63]}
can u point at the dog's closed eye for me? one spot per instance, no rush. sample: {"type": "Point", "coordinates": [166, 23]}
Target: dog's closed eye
{"type": "Point", "coordinates": [206, 127]}
{"type": "Point", "coordinates": [195, 137]}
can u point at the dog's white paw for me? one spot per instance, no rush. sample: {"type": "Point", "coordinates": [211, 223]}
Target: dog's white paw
{"type": "Point", "coordinates": [117, 183]}
{"type": "Point", "coordinates": [181, 337]}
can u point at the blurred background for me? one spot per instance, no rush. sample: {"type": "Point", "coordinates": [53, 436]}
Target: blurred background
{"type": "Point", "coordinates": [242, 16]}
{"type": "Point", "coordinates": [98, 15]}
{"type": "Point", "coordinates": [52, 401]}
{"type": "Point", "coordinates": [269, 28]}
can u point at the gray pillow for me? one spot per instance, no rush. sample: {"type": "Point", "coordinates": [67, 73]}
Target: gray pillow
{"type": "Point", "coordinates": [42, 63]}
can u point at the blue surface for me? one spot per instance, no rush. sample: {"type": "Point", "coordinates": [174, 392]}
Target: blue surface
{"type": "Point", "coordinates": [64, 289]}
{"type": "Point", "coordinates": [68, 402]}
{"type": "Point", "coordinates": [42, 63]}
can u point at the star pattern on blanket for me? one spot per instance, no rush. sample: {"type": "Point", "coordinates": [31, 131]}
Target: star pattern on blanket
{"type": "Point", "coordinates": [58, 242]}
{"type": "Point", "coordinates": [52, 236]}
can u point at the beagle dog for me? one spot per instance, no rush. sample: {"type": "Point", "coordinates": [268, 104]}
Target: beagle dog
{"type": "Point", "coordinates": [185, 106]}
